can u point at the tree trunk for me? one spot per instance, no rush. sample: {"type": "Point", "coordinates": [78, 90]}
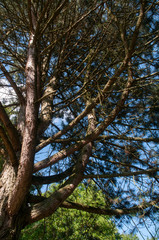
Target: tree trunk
{"type": "Point", "coordinates": [10, 226]}
{"type": "Point", "coordinates": [16, 176]}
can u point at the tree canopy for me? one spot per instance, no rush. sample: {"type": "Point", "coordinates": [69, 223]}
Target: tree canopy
{"type": "Point", "coordinates": [85, 78]}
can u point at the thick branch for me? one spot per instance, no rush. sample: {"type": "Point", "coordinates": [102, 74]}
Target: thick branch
{"type": "Point", "coordinates": [46, 106]}
{"type": "Point", "coordinates": [12, 131]}
{"type": "Point", "coordinates": [101, 96]}
{"type": "Point", "coordinates": [30, 16]}
{"type": "Point", "coordinates": [110, 212]}
{"type": "Point", "coordinates": [87, 109]}
{"type": "Point", "coordinates": [100, 211]}
{"type": "Point", "coordinates": [137, 27]}
{"type": "Point", "coordinates": [9, 147]}
{"type": "Point", "coordinates": [35, 199]}
{"type": "Point", "coordinates": [38, 180]}
{"type": "Point", "coordinates": [92, 136]}
{"type": "Point", "coordinates": [48, 206]}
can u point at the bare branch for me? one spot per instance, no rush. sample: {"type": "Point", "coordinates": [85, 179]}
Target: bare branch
{"type": "Point", "coordinates": [48, 206]}
{"type": "Point", "coordinates": [137, 28]}
{"type": "Point", "coordinates": [123, 174]}
{"type": "Point", "coordinates": [54, 15]}
{"type": "Point", "coordinates": [91, 137]}
{"type": "Point", "coordinates": [110, 212]}
{"type": "Point", "coordinates": [122, 137]}
{"type": "Point", "coordinates": [43, 208]}
{"type": "Point", "coordinates": [38, 180]}
{"type": "Point", "coordinates": [13, 84]}
{"type": "Point", "coordinates": [30, 16]}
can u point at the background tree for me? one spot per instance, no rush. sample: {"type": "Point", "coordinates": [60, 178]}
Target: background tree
{"type": "Point", "coordinates": [73, 224]}
{"type": "Point", "coordinates": [85, 75]}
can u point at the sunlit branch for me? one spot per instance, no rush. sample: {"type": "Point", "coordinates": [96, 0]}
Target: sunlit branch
{"type": "Point", "coordinates": [102, 211]}
{"type": "Point", "coordinates": [137, 139]}
{"type": "Point", "coordinates": [48, 206]}
{"type": "Point", "coordinates": [46, 106]}
{"type": "Point", "coordinates": [91, 137]}
{"type": "Point", "coordinates": [87, 109]}
{"type": "Point", "coordinates": [100, 95]}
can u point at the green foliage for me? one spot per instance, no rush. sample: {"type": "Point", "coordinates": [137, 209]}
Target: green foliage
{"type": "Point", "coordinates": [71, 224]}
{"type": "Point", "coordinates": [76, 225]}
{"type": "Point", "coordinates": [129, 237]}
{"type": "Point", "coordinates": [156, 238]}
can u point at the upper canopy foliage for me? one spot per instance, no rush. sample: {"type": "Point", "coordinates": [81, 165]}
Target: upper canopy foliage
{"type": "Point", "coordinates": [96, 95]}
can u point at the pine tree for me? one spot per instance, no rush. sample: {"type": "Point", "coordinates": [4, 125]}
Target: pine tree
{"type": "Point", "coordinates": [85, 76]}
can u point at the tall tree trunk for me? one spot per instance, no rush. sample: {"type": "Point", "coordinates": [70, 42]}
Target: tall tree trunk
{"type": "Point", "coordinates": [16, 175]}
{"type": "Point", "coordinates": [10, 226]}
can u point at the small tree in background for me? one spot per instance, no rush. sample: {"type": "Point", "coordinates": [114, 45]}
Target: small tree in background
{"type": "Point", "coordinates": [85, 75]}
{"type": "Point", "coordinates": [73, 224]}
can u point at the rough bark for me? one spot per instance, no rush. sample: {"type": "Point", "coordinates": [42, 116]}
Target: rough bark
{"type": "Point", "coordinates": [16, 180]}
{"type": "Point", "coordinates": [7, 222]}
{"type": "Point", "coordinates": [36, 114]}
{"type": "Point", "coordinates": [47, 106]}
